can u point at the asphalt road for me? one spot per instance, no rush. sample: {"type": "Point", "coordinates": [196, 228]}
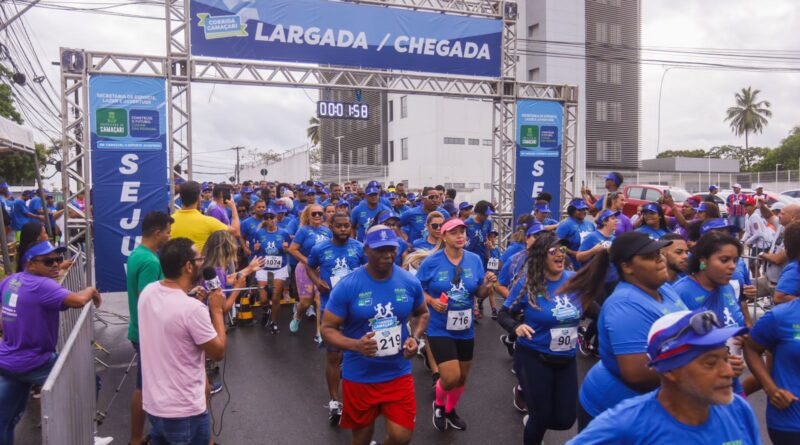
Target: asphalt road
{"type": "Point", "coordinates": [278, 395]}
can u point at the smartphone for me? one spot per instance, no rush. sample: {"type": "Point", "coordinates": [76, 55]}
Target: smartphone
{"type": "Point", "coordinates": [226, 194]}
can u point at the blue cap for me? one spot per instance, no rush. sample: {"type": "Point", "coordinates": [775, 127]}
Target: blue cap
{"type": "Point", "coordinates": [247, 190]}
{"type": "Point", "coordinates": [702, 207]}
{"type": "Point", "coordinates": [411, 197]}
{"type": "Point", "coordinates": [179, 181]}
{"type": "Point", "coordinates": [465, 205]}
{"type": "Point", "coordinates": [270, 211]}
{"type": "Point", "coordinates": [534, 228]}
{"type": "Point", "coordinates": [380, 238]}
{"type": "Point", "coordinates": [343, 203]}
{"type": "Point", "coordinates": [318, 184]}
{"type": "Point", "coordinates": [311, 191]}
{"type": "Point", "coordinates": [204, 186]}
{"type": "Point", "coordinates": [650, 207]}
{"type": "Point", "coordinates": [717, 224]}
{"type": "Point", "coordinates": [489, 211]}
{"type": "Point", "coordinates": [542, 208]}
{"type": "Point", "coordinates": [679, 337]}
{"type": "Point", "coordinates": [612, 177]}
{"type": "Point", "coordinates": [373, 183]}
{"type": "Point", "coordinates": [372, 190]}
{"type": "Point", "coordinates": [3, 185]}
{"type": "Point", "coordinates": [326, 191]}
{"type": "Point", "coordinates": [391, 196]}
{"type": "Point", "coordinates": [712, 187]}
{"type": "Point", "coordinates": [385, 216]}
{"type": "Point", "coordinates": [26, 193]}
{"type": "Point", "coordinates": [41, 248]}
{"type": "Point", "coordinates": [578, 204]}
{"type": "Point", "coordinates": [605, 215]}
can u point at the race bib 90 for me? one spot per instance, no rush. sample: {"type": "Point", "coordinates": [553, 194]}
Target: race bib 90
{"type": "Point", "coordinates": [563, 339]}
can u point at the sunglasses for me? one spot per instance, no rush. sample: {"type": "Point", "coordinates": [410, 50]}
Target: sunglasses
{"type": "Point", "coordinates": [200, 259]}
{"type": "Point", "coordinates": [436, 226]}
{"type": "Point", "coordinates": [701, 323]}
{"type": "Point", "coordinates": [269, 216]}
{"type": "Point", "coordinates": [432, 197]}
{"type": "Point", "coordinates": [556, 250]}
{"type": "Point", "coordinates": [50, 260]}
{"type": "Point", "coordinates": [317, 214]}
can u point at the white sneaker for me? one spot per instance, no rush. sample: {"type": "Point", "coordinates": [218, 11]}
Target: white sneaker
{"type": "Point", "coordinates": [103, 440]}
{"type": "Point", "coordinates": [311, 312]}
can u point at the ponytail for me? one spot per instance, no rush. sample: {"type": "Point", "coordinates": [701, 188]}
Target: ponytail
{"type": "Point", "coordinates": [587, 284]}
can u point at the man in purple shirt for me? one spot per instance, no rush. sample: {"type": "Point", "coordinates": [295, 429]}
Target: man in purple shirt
{"type": "Point", "coordinates": [218, 209]}
{"type": "Point", "coordinates": [32, 301]}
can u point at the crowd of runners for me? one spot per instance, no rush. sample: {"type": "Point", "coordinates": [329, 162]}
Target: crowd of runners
{"type": "Point", "coordinates": [664, 298]}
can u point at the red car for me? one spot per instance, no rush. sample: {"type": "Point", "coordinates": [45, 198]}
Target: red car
{"type": "Point", "coordinates": [639, 194]}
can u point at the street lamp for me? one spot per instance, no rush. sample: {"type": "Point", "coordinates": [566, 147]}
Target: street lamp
{"type": "Point", "coordinates": [339, 158]}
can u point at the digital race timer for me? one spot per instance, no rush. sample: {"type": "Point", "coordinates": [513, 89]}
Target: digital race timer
{"type": "Point", "coordinates": [342, 110]}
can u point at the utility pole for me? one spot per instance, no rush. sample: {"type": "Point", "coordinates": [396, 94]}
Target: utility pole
{"type": "Point", "coordinates": [238, 149]}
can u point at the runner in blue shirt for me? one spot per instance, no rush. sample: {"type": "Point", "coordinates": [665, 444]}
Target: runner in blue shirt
{"type": "Point", "coordinates": [20, 215]}
{"type": "Point", "coordinates": [546, 337]}
{"type": "Point", "coordinates": [654, 224]}
{"type": "Point", "coordinates": [600, 239]}
{"type": "Point", "coordinates": [367, 317]}
{"type": "Point", "coordinates": [777, 332]}
{"type": "Point", "coordinates": [205, 200]}
{"type": "Point", "coordinates": [677, 256]}
{"type": "Point", "coordinates": [311, 232]}
{"type": "Point", "coordinates": [694, 403]}
{"type": "Point", "coordinates": [478, 228]}
{"type": "Point", "coordinates": [250, 225]}
{"type": "Point", "coordinates": [365, 214]}
{"type": "Point", "coordinates": [328, 264]}
{"type": "Point", "coordinates": [452, 277]}
{"type": "Point", "coordinates": [414, 220]}
{"type": "Point", "coordinates": [390, 219]}
{"type": "Point", "coordinates": [433, 225]}
{"type": "Point", "coordinates": [707, 286]}
{"type": "Point", "coordinates": [625, 318]}
{"type": "Point", "coordinates": [271, 243]}
{"type": "Point", "coordinates": [574, 229]}
{"type": "Point", "coordinates": [542, 214]}
{"type": "Point", "coordinates": [493, 265]}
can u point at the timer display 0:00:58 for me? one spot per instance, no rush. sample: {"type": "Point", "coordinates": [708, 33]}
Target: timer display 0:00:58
{"type": "Point", "coordinates": [342, 110]}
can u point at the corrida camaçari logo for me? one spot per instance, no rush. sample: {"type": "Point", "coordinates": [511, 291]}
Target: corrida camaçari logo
{"type": "Point", "coordinates": [221, 26]}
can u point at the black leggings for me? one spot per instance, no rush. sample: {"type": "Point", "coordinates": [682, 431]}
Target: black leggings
{"type": "Point", "coordinates": [550, 391]}
{"type": "Point", "coordinates": [783, 437]}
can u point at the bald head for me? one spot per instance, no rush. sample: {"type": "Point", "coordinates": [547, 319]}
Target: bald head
{"type": "Point", "coordinates": [789, 214]}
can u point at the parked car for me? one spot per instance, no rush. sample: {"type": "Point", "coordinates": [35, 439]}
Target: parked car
{"type": "Point", "coordinates": [639, 194]}
{"type": "Point", "coordinates": [794, 193]}
{"type": "Point", "coordinates": [720, 200]}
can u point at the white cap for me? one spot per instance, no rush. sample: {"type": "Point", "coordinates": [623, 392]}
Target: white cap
{"type": "Point", "coordinates": [737, 186]}
{"type": "Point", "coordinates": [287, 202]}
{"type": "Point", "coordinates": [758, 186]}
{"type": "Point", "coordinates": [288, 193]}
{"type": "Point", "coordinates": [777, 206]}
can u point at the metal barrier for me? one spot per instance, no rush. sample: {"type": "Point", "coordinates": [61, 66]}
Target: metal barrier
{"type": "Point", "coordinates": [68, 395]}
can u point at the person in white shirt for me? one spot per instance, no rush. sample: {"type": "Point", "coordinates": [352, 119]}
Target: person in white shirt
{"type": "Point", "coordinates": [775, 256]}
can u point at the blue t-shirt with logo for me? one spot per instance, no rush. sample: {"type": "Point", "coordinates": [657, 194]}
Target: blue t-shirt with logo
{"type": "Point", "coordinates": [779, 332]}
{"type": "Point", "coordinates": [413, 221]}
{"type": "Point", "coordinates": [385, 306]}
{"type": "Point", "coordinates": [476, 237]}
{"type": "Point", "coordinates": [643, 420]}
{"type": "Point", "coordinates": [336, 262]}
{"type": "Point", "coordinates": [437, 273]}
{"type": "Point", "coordinates": [423, 243]}
{"type": "Point", "coordinates": [625, 320]}
{"type": "Point", "coordinates": [248, 228]}
{"type": "Point", "coordinates": [594, 239]}
{"type": "Point", "coordinates": [723, 301]}
{"type": "Point", "coordinates": [365, 217]}
{"type": "Point", "coordinates": [555, 323]}
{"type": "Point", "coordinates": [307, 237]}
{"type": "Point", "coordinates": [574, 232]}
{"type": "Point", "coordinates": [271, 245]}
{"type": "Point", "coordinates": [651, 232]}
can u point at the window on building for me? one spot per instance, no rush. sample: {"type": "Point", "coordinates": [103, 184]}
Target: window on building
{"type": "Point", "coordinates": [474, 185]}
{"type": "Point", "coordinates": [474, 141]}
{"type": "Point", "coordinates": [377, 151]}
{"type": "Point", "coordinates": [615, 73]}
{"type": "Point", "coordinates": [602, 111]}
{"type": "Point", "coordinates": [391, 151]}
{"type": "Point", "coordinates": [532, 30]}
{"type": "Point", "coordinates": [601, 32]}
{"type": "Point", "coordinates": [616, 3]}
{"type": "Point", "coordinates": [615, 111]}
{"type": "Point", "coordinates": [533, 75]}
{"type": "Point", "coordinates": [487, 142]}
{"type": "Point", "coordinates": [404, 149]}
{"type": "Point", "coordinates": [609, 151]}
{"type": "Point", "coordinates": [454, 141]}
{"type": "Point", "coordinates": [601, 72]}
{"type": "Point", "coordinates": [391, 110]}
{"type": "Point", "coordinates": [615, 34]}
{"type": "Point", "coordinates": [403, 107]}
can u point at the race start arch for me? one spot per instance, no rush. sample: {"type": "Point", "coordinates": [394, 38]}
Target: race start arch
{"type": "Point", "coordinates": [122, 141]}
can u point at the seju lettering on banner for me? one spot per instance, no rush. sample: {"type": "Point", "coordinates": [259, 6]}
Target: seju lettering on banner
{"type": "Point", "coordinates": [346, 34]}
{"type": "Point", "coordinates": [538, 154]}
{"type": "Point", "coordinates": [129, 167]}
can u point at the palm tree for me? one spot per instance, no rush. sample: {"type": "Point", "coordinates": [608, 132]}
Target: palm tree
{"type": "Point", "coordinates": [749, 115]}
{"type": "Point", "coordinates": [313, 130]}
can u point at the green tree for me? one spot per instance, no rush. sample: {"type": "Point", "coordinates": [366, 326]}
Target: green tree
{"type": "Point", "coordinates": [691, 153]}
{"type": "Point", "coordinates": [747, 157]}
{"type": "Point", "coordinates": [15, 168]}
{"type": "Point", "coordinates": [787, 154]}
{"type": "Point", "coordinates": [749, 115]}
{"type": "Point", "coordinates": [313, 130]}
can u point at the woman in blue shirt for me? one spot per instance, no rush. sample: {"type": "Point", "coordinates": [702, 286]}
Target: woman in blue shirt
{"type": "Point", "coordinates": [452, 277]}
{"type": "Point", "coordinates": [544, 356]}
{"type": "Point", "coordinates": [433, 225]}
{"type": "Point", "coordinates": [654, 224]}
{"type": "Point", "coordinates": [272, 243]}
{"type": "Point", "coordinates": [712, 264]}
{"type": "Point", "coordinates": [575, 228]}
{"type": "Point", "coordinates": [639, 299]}
{"type": "Point", "coordinates": [311, 232]}
{"type": "Point", "coordinates": [600, 239]}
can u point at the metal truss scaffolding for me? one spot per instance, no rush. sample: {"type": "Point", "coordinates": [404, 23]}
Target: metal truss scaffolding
{"type": "Point", "coordinates": [181, 69]}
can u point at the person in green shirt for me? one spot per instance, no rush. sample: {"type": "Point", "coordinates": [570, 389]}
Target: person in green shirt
{"type": "Point", "coordinates": [144, 268]}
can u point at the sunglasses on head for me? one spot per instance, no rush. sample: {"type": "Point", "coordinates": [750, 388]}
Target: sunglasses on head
{"type": "Point", "coordinates": [701, 323]}
{"type": "Point", "coordinates": [317, 214]}
{"type": "Point", "coordinates": [49, 261]}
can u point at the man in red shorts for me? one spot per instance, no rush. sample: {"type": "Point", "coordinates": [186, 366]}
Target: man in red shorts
{"type": "Point", "coordinates": [366, 318]}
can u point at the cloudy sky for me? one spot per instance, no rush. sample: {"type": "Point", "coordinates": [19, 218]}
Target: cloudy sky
{"type": "Point", "coordinates": [692, 106]}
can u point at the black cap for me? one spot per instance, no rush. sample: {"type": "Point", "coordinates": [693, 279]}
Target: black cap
{"type": "Point", "coordinates": [630, 244]}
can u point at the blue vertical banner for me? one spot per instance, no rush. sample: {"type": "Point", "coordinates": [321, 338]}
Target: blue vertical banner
{"type": "Point", "coordinates": [128, 120]}
{"type": "Point", "coordinates": [538, 155]}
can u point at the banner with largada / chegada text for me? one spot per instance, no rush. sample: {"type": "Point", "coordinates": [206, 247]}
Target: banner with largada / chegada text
{"type": "Point", "coordinates": [129, 167]}
{"type": "Point", "coordinates": [346, 34]}
{"type": "Point", "coordinates": [538, 154]}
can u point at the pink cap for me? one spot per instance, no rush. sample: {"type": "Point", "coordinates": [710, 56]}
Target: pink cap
{"type": "Point", "coordinates": [452, 224]}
